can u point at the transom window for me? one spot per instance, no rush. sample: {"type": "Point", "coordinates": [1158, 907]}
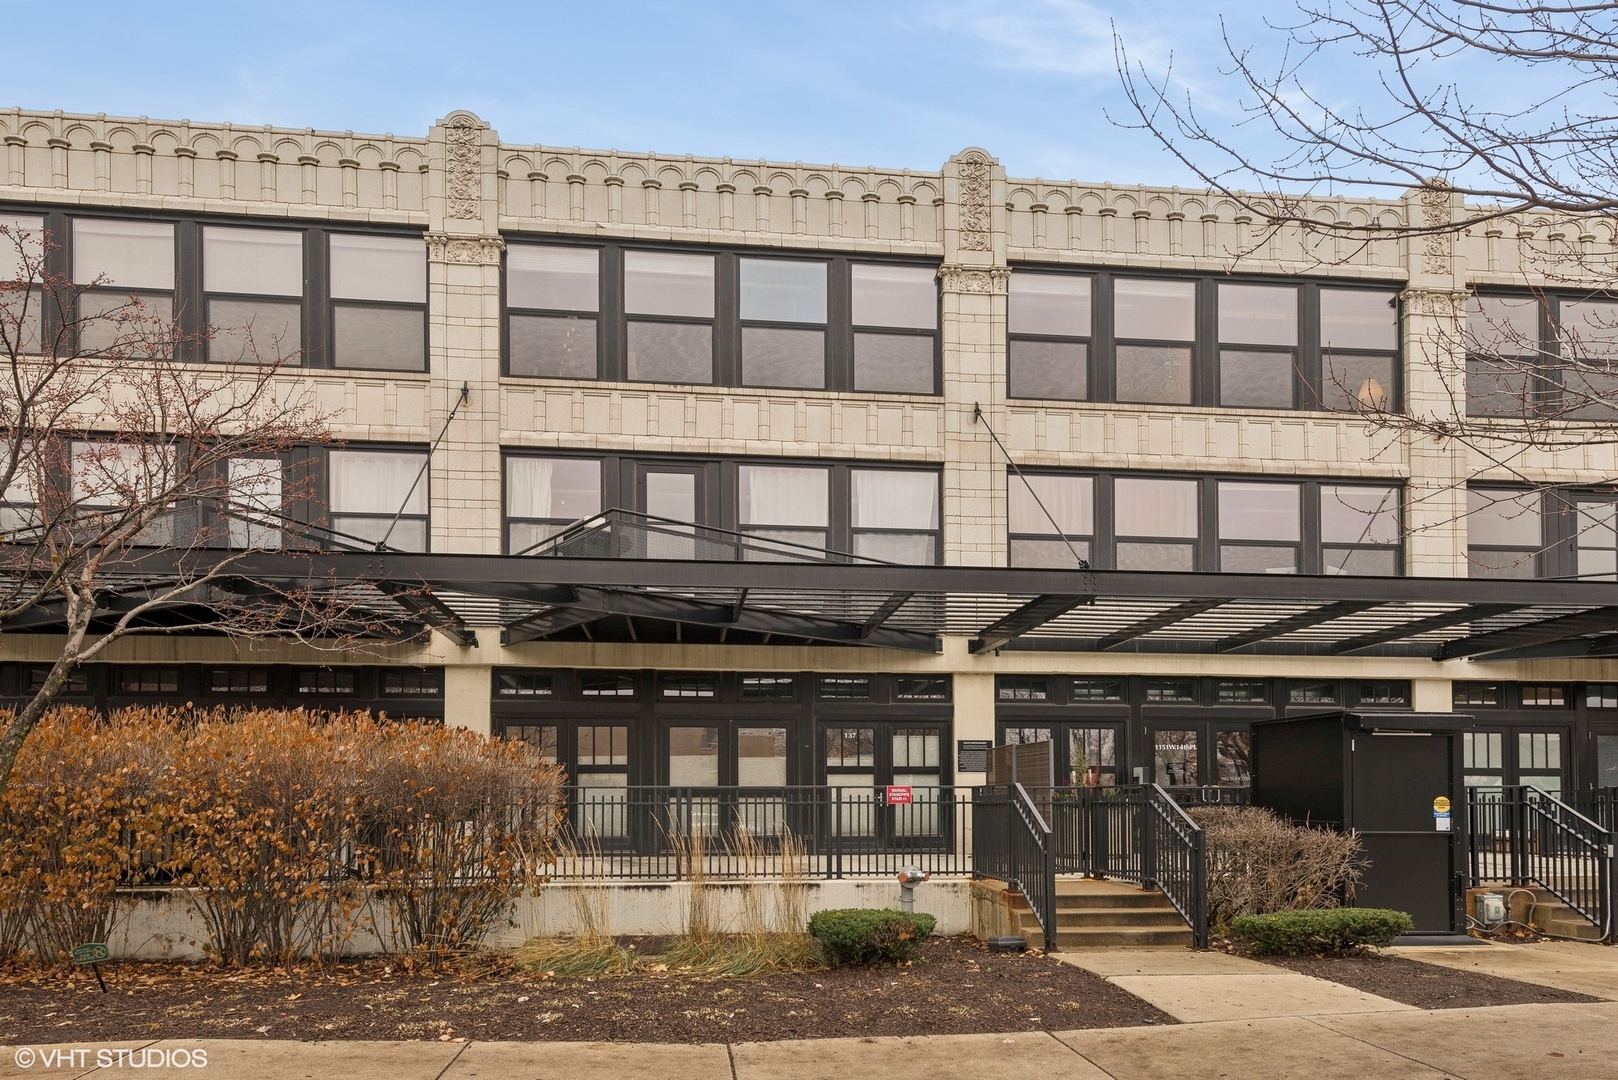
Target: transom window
{"type": "Point", "coordinates": [720, 318]}
{"type": "Point", "coordinates": [1161, 340]}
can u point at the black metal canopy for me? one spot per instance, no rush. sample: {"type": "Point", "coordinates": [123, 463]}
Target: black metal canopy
{"type": "Point", "coordinates": [725, 588]}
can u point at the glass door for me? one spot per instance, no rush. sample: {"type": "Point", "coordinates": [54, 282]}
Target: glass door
{"type": "Point", "coordinates": [863, 762]}
{"type": "Point", "coordinates": [726, 777]}
{"type": "Point", "coordinates": [1176, 756]}
{"type": "Point", "coordinates": [675, 495]}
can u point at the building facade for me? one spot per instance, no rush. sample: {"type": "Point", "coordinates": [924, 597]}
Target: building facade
{"type": "Point", "coordinates": [947, 367]}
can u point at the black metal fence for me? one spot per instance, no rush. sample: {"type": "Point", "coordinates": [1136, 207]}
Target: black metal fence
{"type": "Point", "coordinates": [736, 833]}
{"type": "Point", "coordinates": [1520, 835]}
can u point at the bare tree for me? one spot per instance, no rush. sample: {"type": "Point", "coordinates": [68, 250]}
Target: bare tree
{"type": "Point", "coordinates": [132, 484]}
{"type": "Point", "coordinates": [1539, 172]}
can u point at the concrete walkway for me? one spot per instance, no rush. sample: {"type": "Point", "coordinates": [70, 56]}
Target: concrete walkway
{"type": "Point", "coordinates": [1242, 1021]}
{"type": "Point", "coordinates": [1206, 987]}
{"type": "Point", "coordinates": [1578, 966]}
{"type": "Point", "coordinates": [1535, 1042]}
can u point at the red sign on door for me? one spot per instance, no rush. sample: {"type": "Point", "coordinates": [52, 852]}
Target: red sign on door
{"type": "Point", "coordinates": [898, 795]}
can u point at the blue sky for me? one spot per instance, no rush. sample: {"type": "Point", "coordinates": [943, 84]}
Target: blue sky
{"type": "Point", "coordinates": [886, 83]}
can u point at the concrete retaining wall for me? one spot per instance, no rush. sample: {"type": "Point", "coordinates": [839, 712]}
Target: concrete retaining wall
{"type": "Point", "coordinates": [160, 924]}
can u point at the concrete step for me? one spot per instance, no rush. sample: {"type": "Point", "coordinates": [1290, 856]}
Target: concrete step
{"type": "Point", "coordinates": [1115, 936]}
{"type": "Point", "coordinates": [1163, 916]}
{"type": "Point", "coordinates": [1133, 898]}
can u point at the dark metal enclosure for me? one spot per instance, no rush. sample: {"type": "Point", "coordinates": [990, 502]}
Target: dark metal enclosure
{"type": "Point", "coordinates": [1394, 778]}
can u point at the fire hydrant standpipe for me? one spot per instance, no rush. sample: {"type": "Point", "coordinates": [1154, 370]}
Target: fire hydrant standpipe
{"type": "Point", "coordinates": [909, 878]}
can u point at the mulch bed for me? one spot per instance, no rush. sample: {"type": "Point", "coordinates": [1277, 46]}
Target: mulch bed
{"type": "Point", "coordinates": [1426, 986]}
{"type": "Point", "coordinates": [955, 985]}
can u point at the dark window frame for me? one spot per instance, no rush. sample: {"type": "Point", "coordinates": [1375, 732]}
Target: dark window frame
{"type": "Point", "coordinates": [612, 320]}
{"type": "Point", "coordinates": [1311, 547]}
{"type": "Point", "coordinates": [189, 297]}
{"type": "Point", "coordinates": [1310, 359]}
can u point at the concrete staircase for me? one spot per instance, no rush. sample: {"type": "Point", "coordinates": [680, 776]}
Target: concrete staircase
{"type": "Point", "coordinates": [1558, 920]}
{"type": "Point", "coordinates": [1539, 907]}
{"type": "Point", "coordinates": [1092, 914]}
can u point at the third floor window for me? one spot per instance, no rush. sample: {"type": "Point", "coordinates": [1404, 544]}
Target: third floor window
{"type": "Point", "coordinates": [1189, 341]}
{"type": "Point", "coordinates": [726, 319]}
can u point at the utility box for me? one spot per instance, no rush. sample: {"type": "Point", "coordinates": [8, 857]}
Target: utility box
{"type": "Point", "coordinates": [1394, 778]}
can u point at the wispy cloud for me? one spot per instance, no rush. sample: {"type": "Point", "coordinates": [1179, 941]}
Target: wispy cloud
{"type": "Point", "coordinates": [1068, 39]}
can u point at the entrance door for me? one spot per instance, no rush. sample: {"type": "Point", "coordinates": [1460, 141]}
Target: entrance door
{"type": "Point", "coordinates": [1204, 754]}
{"type": "Point", "coordinates": [727, 777]}
{"type": "Point", "coordinates": [863, 759]}
{"type": "Point", "coordinates": [674, 494]}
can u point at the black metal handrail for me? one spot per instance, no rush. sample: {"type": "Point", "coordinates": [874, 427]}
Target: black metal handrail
{"type": "Point", "coordinates": [1520, 835]}
{"type": "Point", "coordinates": [1012, 842]}
{"type": "Point", "coordinates": [1177, 853]}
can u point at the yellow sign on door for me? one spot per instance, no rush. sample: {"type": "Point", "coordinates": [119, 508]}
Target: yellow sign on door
{"type": "Point", "coordinates": [1441, 805]}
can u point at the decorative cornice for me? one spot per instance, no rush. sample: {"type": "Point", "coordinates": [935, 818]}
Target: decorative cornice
{"type": "Point", "coordinates": [973, 279]}
{"type": "Point", "coordinates": [467, 250]}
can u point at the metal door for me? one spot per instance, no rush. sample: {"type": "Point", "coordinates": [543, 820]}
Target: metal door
{"type": "Point", "coordinates": [1394, 783]}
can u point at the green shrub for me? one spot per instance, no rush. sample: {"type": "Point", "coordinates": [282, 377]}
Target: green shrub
{"type": "Point", "coordinates": [1328, 932]}
{"type": "Point", "coordinates": [863, 935]}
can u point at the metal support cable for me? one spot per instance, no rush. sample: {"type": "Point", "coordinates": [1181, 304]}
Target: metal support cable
{"type": "Point", "coordinates": [466, 396]}
{"type": "Point", "coordinates": [977, 418]}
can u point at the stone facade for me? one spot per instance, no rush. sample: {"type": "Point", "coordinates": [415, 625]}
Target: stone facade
{"type": "Point", "coordinates": [470, 193]}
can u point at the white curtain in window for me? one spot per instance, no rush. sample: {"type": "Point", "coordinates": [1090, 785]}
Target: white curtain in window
{"type": "Point", "coordinates": [1068, 498]}
{"type": "Point", "coordinates": [120, 474]}
{"type": "Point", "coordinates": [890, 499]}
{"type": "Point", "coordinates": [377, 482]}
{"type": "Point", "coordinates": [129, 254]}
{"type": "Point", "coordinates": [1155, 507]}
{"type": "Point", "coordinates": [529, 482]}
{"type": "Point", "coordinates": [773, 495]}
{"type": "Point", "coordinates": [1359, 515]}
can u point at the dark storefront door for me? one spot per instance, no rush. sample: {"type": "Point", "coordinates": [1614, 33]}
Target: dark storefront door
{"type": "Point", "coordinates": [863, 759]}
{"type": "Point", "coordinates": [1200, 755]}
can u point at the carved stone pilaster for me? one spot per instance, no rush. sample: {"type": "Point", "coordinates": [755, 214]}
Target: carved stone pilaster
{"type": "Point", "coordinates": [990, 281]}
{"type": "Point", "coordinates": [977, 224]}
{"type": "Point", "coordinates": [463, 181]}
{"type": "Point", "coordinates": [1442, 303]}
{"type": "Point", "coordinates": [467, 251]}
{"type": "Point", "coordinates": [1435, 220]}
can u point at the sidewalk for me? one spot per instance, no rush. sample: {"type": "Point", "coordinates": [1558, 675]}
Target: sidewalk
{"type": "Point", "coordinates": [1238, 1023]}
{"type": "Point", "coordinates": [1567, 965]}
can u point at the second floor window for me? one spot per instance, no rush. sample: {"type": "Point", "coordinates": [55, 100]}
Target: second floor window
{"type": "Point", "coordinates": [126, 262]}
{"type": "Point", "coordinates": [379, 496]}
{"type": "Point", "coordinates": [1131, 521]}
{"type": "Point", "coordinates": [253, 279]}
{"type": "Point", "coordinates": [788, 510]}
{"type": "Point", "coordinates": [378, 302]}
